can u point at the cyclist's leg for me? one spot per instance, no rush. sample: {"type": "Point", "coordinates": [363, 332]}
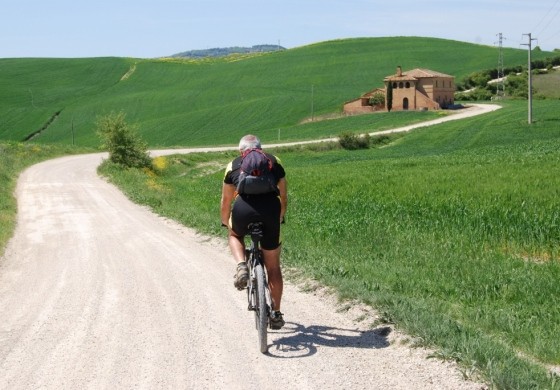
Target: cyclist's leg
{"type": "Point", "coordinates": [271, 248]}
{"type": "Point", "coordinates": [241, 215]}
{"type": "Point", "coordinates": [237, 231]}
{"type": "Point", "coordinates": [237, 247]}
{"type": "Point", "coordinates": [274, 271]}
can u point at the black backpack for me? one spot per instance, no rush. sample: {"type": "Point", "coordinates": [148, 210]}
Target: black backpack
{"type": "Point", "coordinates": [255, 174]}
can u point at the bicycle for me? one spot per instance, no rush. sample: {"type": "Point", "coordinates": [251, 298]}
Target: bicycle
{"type": "Point", "coordinates": [258, 293]}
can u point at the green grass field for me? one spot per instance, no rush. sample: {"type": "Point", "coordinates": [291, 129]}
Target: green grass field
{"type": "Point", "coordinates": [450, 231]}
{"type": "Point", "coordinates": [196, 103]}
{"type": "Point", "coordinates": [548, 84]}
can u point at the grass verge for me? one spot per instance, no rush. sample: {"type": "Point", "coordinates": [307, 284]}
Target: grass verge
{"type": "Point", "coordinates": [450, 232]}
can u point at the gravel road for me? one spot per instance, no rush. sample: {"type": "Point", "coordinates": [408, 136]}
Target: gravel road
{"type": "Point", "coordinates": [99, 293]}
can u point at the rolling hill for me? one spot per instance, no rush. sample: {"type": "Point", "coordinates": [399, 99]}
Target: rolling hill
{"type": "Point", "coordinates": [226, 51]}
{"type": "Point", "coordinates": [204, 102]}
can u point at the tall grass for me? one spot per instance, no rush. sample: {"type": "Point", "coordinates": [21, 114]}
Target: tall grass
{"type": "Point", "coordinates": [450, 231]}
{"type": "Point", "coordinates": [548, 84]}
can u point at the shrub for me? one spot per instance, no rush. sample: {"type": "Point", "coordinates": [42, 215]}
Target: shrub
{"type": "Point", "coordinates": [478, 94]}
{"type": "Point", "coordinates": [352, 141]}
{"type": "Point", "coordinates": [124, 146]}
{"type": "Point", "coordinates": [377, 99]}
{"type": "Point", "coordinates": [517, 86]}
{"type": "Point", "coordinates": [380, 140]}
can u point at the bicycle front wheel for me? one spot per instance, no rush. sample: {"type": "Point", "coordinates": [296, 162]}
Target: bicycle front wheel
{"type": "Point", "coordinates": [261, 312]}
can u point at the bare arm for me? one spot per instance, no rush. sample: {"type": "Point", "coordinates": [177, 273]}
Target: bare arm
{"type": "Point", "coordinates": [228, 193]}
{"type": "Point", "coordinates": [283, 188]}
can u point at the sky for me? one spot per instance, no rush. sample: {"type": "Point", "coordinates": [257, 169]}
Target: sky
{"type": "Point", "coordinates": [159, 28]}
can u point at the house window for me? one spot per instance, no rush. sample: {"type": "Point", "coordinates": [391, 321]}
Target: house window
{"type": "Point", "coordinates": [394, 85]}
{"type": "Point", "coordinates": [407, 85]}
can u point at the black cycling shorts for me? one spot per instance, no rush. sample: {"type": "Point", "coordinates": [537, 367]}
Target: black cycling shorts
{"type": "Point", "coordinates": [258, 208]}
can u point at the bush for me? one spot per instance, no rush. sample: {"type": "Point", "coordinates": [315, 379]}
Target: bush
{"type": "Point", "coordinates": [380, 140]}
{"type": "Point", "coordinates": [125, 147]}
{"type": "Point", "coordinates": [377, 99]}
{"type": "Point", "coordinates": [478, 94]}
{"type": "Point", "coordinates": [352, 141]}
{"type": "Point", "coordinates": [517, 86]}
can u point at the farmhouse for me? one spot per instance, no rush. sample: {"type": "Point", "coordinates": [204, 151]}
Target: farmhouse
{"type": "Point", "coordinates": [417, 89]}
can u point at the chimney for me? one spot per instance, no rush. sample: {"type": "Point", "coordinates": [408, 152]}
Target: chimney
{"type": "Point", "coordinates": [399, 71]}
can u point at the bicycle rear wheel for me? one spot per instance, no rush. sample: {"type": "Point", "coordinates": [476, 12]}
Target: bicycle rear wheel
{"type": "Point", "coordinates": [261, 312]}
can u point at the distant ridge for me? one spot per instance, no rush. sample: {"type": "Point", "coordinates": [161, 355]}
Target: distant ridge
{"type": "Point", "coordinates": [225, 51]}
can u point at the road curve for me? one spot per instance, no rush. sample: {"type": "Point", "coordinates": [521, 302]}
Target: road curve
{"type": "Point", "coordinates": [99, 293]}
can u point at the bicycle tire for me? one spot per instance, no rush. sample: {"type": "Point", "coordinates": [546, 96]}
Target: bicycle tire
{"type": "Point", "coordinates": [261, 314]}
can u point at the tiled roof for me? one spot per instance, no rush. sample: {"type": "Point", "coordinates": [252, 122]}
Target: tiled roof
{"type": "Point", "coordinates": [419, 73]}
{"type": "Point", "coordinates": [416, 74]}
{"type": "Point", "coordinates": [404, 77]}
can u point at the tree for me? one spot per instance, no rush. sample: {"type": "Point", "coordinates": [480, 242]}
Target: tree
{"type": "Point", "coordinates": [124, 146]}
{"type": "Point", "coordinates": [389, 96]}
{"type": "Point", "coordinates": [378, 99]}
{"type": "Point", "coordinates": [517, 86]}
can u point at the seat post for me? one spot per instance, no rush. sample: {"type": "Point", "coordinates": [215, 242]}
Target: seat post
{"type": "Point", "coordinates": [256, 232]}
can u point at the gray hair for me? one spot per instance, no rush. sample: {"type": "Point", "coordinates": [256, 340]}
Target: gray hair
{"type": "Point", "coordinates": [249, 142]}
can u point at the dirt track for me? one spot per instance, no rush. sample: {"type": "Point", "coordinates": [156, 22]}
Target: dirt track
{"type": "Point", "coordinates": [97, 292]}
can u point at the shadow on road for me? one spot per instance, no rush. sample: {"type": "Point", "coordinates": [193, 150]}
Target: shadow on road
{"type": "Point", "coordinates": [297, 341]}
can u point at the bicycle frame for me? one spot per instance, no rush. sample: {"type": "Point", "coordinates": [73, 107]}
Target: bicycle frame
{"type": "Point", "coordinates": [258, 294]}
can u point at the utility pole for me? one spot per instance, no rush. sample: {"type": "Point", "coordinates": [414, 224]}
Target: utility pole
{"type": "Point", "coordinates": [312, 103]}
{"type": "Point", "coordinates": [500, 91]}
{"type": "Point", "coordinates": [530, 79]}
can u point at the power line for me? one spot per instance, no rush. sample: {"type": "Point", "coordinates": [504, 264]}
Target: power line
{"type": "Point", "coordinates": [551, 36]}
{"type": "Point", "coordinates": [545, 15]}
{"type": "Point", "coordinates": [539, 32]}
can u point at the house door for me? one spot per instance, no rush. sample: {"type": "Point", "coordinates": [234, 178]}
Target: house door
{"type": "Point", "coordinates": [405, 104]}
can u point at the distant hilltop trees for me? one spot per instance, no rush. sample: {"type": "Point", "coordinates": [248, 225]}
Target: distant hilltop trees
{"type": "Point", "coordinates": [225, 51]}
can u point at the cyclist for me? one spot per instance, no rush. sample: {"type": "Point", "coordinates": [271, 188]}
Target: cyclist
{"type": "Point", "coordinates": [268, 208]}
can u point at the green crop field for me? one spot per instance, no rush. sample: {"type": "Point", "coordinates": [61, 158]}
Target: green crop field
{"type": "Point", "coordinates": [190, 103]}
{"type": "Point", "coordinates": [451, 232]}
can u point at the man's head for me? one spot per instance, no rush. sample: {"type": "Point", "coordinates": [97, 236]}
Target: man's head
{"type": "Point", "coordinates": [249, 142]}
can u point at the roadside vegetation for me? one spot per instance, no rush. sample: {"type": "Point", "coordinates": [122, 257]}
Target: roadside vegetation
{"type": "Point", "coordinates": [451, 232]}
{"type": "Point", "coordinates": [120, 139]}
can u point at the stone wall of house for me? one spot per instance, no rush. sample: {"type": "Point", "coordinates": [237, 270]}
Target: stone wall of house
{"type": "Point", "coordinates": [444, 92]}
{"type": "Point", "coordinates": [423, 102]}
{"type": "Point", "coordinates": [400, 94]}
{"type": "Point", "coordinates": [420, 90]}
{"type": "Point", "coordinates": [356, 107]}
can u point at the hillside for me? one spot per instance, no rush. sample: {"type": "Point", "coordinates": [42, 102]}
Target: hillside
{"type": "Point", "coordinates": [548, 84]}
{"type": "Point", "coordinates": [226, 51]}
{"type": "Point", "coordinates": [204, 102]}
